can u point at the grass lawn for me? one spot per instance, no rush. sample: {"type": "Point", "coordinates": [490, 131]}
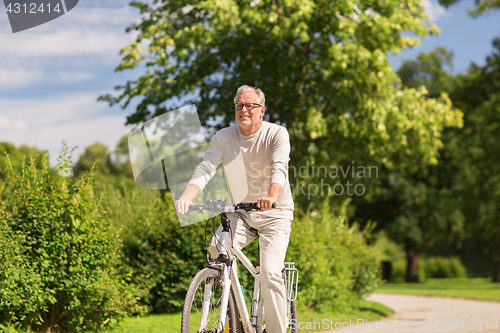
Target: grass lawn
{"type": "Point", "coordinates": [171, 323]}
{"type": "Point", "coordinates": [476, 288]}
{"type": "Point", "coordinates": [151, 324]}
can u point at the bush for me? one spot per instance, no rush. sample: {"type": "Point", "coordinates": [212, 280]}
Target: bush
{"type": "Point", "coordinates": [162, 256]}
{"type": "Point", "coordinates": [59, 254]}
{"type": "Point", "coordinates": [17, 157]}
{"type": "Point", "coordinates": [336, 266]}
{"type": "Point", "coordinates": [399, 271]}
{"type": "Point", "coordinates": [433, 267]}
{"type": "Point", "coordinates": [439, 267]}
{"type": "Point", "coordinates": [387, 248]}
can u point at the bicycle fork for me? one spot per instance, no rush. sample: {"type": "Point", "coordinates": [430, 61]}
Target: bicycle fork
{"type": "Point", "coordinates": [226, 287]}
{"type": "Point", "coordinates": [230, 280]}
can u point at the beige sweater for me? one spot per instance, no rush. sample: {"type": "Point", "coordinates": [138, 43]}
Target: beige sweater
{"type": "Point", "coordinates": [250, 163]}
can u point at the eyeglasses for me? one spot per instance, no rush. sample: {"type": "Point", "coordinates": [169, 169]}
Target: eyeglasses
{"type": "Point", "coordinates": [249, 106]}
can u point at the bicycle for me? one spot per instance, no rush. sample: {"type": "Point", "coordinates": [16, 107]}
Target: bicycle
{"type": "Point", "coordinates": [215, 302]}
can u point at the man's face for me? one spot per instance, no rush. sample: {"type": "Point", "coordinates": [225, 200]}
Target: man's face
{"type": "Point", "coordinates": [249, 119]}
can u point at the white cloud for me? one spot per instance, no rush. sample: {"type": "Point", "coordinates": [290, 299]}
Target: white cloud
{"type": "Point", "coordinates": [14, 77]}
{"type": "Point", "coordinates": [17, 77]}
{"type": "Point", "coordinates": [102, 43]}
{"type": "Point", "coordinates": [82, 40]}
{"type": "Point", "coordinates": [75, 76]}
{"type": "Point", "coordinates": [45, 122]}
{"type": "Point", "coordinates": [80, 46]}
{"type": "Point", "coordinates": [101, 16]}
{"type": "Point", "coordinates": [48, 111]}
{"type": "Point", "coordinates": [10, 124]}
{"type": "Point", "coordinates": [434, 10]}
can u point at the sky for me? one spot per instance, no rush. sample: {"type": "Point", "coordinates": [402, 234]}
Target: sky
{"type": "Point", "coordinates": [52, 75]}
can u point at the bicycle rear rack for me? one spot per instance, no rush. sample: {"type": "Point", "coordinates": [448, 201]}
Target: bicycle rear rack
{"type": "Point", "coordinates": [291, 277]}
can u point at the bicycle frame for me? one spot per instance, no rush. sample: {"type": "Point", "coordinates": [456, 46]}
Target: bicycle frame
{"type": "Point", "coordinates": [226, 263]}
{"type": "Point", "coordinates": [248, 324]}
{"type": "Point", "coordinates": [231, 281]}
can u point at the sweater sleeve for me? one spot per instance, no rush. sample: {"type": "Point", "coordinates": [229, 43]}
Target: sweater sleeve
{"type": "Point", "coordinates": [208, 166]}
{"type": "Point", "coordinates": [280, 157]}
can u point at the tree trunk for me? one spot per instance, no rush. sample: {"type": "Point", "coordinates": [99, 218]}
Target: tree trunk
{"type": "Point", "coordinates": [496, 268]}
{"type": "Point", "coordinates": [412, 251]}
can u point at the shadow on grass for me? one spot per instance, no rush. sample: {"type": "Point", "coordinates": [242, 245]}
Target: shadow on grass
{"type": "Point", "coordinates": [376, 312]}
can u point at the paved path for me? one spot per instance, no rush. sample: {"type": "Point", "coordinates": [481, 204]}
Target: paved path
{"type": "Point", "coordinates": [422, 314]}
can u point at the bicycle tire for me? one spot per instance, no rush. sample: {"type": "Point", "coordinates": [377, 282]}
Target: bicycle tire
{"type": "Point", "coordinates": [239, 324]}
{"type": "Point", "coordinates": [191, 312]}
{"type": "Point", "coordinates": [291, 315]}
{"type": "Point", "coordinates": [292, 325]}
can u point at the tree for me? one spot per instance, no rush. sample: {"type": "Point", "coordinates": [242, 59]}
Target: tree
{"type": "Point", "coordinates": [428, 213]}
{"type": "Point", "coordinates": [477, 94]}
{"type": "Point", "coordinates": [18, 157]}
{"type": "Point", "coordinates": [117, 171]}
{"type": "Point", "coordinates": [478, 149]}
{"type": "Point", "coordinates": [459, 196]}
{"type": "Point", "coordinates": [482, 6]}
{"type": "Point", "coordinates": [97, 154]}
{"type": "Point", "coordinates": [323, 67]}
{"type": "Point", "coordinates": [432, 70]}
{"type": "Point", "coordinates": [417, 206]}
{"type": "Point", "coordinates": [121, 159]}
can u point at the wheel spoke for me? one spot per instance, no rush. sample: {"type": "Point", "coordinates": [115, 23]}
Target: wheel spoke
{"type": "Point", "coordinates": [202, 306]}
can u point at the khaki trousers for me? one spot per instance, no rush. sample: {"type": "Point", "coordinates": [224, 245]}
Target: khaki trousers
{"type": "Point", "coordinates": [274, 229]}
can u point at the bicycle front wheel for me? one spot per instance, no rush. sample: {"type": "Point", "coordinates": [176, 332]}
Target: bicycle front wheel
{"type": "Point", "coordinates": [201, 310]}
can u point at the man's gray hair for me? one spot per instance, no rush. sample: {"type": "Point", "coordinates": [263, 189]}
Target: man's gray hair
{"type": "Point", "coordinates": [245, 88]}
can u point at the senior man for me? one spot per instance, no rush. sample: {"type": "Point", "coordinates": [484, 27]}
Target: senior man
{"type": "Point", "coordinates": [255, 152]}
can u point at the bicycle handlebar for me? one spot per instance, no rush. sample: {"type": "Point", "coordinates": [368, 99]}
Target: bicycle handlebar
{"type": "Point", "coordinates": [221, 206]}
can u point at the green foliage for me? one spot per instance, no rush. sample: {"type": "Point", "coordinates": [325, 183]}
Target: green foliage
{"type": "Point", "coordinates": [95, 156]}
{"type": "Point", "coordinates": [18, 157]}
{"type": "Point", "coordinates": [162, 256]}
{"type": "Point", "coordinates": [425, 216]}
{"type": "Point", "coordinates": [336, 266]}
{"type": "Point", "coordinates": [117, 171]}
{"type": "Point", "coordinates": [432, 267]}
{"type": "Point", "coordinates": [481, 6]}
{"type": "Point", "coordinates": [416, 211]}
{"type": "Point", "coordinates": [432, 70]}
{"type": "Point", "coordinates": [439, 267]}
{"type": "Point", "coordinates": [476, 180]}
{"type": "Point", "coordinates": [324, 69]}
{"type": "Point", "coordinates": [59, 254]}
{"type": "Point", "coordinates": [14, 329]}
{"type": "Point", "coordinates": [398, 273]}
{"type": "Point", "coordinates": [456, 202]}
{"type": "Point", "coordinates": [417, 206]}
{"type": "Point", "coordinates": [388, 249]}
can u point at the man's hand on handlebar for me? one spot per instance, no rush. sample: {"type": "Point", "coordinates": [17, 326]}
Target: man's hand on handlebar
{"type": "Point", "coordinates": [221, 206]}
{"type": "Point", "coordinates": [182, 206]}
{"type": "Point", "coordinates": [266, 203]}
